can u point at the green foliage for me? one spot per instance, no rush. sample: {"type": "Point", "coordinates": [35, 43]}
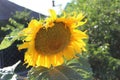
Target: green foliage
{"type": "Point", "coordinates": [103, 64]}
{"type": "Point", "coordinates": [74, 69]}
{"type": "Point", "coordinates": [82, 66]}
{"type": "Point", "coordinates": [37, 73]}
{"type": "Point", "coordinates": [103, 29]}
{"type": "Point", "coordinates": [53, 73]}
{"type": "Point", "coordinates": [12, 29]}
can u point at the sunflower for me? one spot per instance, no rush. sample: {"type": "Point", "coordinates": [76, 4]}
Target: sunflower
{"type": "Point", "coordinates": [48, 41]}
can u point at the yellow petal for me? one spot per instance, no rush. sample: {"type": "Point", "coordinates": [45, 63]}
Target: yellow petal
{"type": "Point", "coordinates": [53, 14]}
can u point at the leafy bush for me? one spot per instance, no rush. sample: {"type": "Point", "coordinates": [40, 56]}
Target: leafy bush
{"type": "Point", "coordinates": [11, 29]}
{"type": "Point", "coordinates": [9, 32]}
{"type": "Point", "coordinates": [103, 28]}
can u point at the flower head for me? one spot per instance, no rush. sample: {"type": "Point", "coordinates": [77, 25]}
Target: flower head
{"type": "Point", "coordinates": [47, 42]}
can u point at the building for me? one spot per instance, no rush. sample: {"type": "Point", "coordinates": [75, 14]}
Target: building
{"type": "Point", "coordinates": [7, 8]}
{"type": "Point", "coordinates": [11, 55]}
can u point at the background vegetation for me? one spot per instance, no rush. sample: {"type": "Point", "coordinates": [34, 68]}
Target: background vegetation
{"type": "Point", "coordinates": [9, 30]}
{"type": "Point", "coordinates": [103, 27]}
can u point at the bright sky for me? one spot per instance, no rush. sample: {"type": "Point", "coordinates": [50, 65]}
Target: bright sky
{"type": "Point", "coordinates": [42, 6]}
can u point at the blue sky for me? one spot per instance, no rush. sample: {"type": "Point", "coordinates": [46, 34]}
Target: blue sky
{"type": "Point", "coordinates": [42, 6]}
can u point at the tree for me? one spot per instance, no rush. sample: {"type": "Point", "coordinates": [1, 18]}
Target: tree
{"type": "Point", "coordinates": [103, 29]}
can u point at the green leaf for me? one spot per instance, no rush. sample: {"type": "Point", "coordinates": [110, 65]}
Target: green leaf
{"type": "Point", "coordinates": [68, 72]}
{"type": "Point", "coordinates": [55, 73]}
{"type": "Point", "coordinates": [81, 66]}
{"type": "Point", "coordinates": [9, 39]}
{"type": "Point", "coordinates": [6, 43]}
{"type": "Point", "coordinates": [37, 73]}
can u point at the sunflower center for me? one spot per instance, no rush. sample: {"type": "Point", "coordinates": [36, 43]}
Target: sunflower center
{"type": "Point", "coordinates": [53, 39]}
